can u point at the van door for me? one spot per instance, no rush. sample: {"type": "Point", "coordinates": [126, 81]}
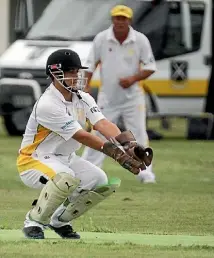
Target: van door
{"type": "Point", "coordinates": [181, 81]}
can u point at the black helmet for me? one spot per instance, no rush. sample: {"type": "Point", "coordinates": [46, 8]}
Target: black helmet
{"type": "Point", "coordinates": [65, 60]}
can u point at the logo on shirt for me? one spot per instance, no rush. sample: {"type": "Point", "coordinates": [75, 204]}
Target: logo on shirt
{"type": "Point", "coordinates": [131, 51]}
{"type": "Point", "coordinates": [67, 124]}
{"type": "Point", "coordinates": [94, 109]}
{"type": "Point", "coordinates": [69, 186]}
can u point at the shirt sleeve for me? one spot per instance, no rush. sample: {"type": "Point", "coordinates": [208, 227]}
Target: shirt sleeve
{"type": "Point", "coordinates": [56, 119]}
{"type": "Point", "coordinates": [92, 110]}
{"type": "Point", "coordinates": [94, 55]}
{"type": "Point", "coordinates": [146, 55]}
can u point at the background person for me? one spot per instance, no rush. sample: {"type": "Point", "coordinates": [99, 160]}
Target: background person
{"type": "Point", "coordinates": [120, 50]}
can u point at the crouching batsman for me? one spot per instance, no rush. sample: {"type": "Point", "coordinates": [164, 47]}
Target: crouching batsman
{"type": "Point", "coordinates": [69, 184]}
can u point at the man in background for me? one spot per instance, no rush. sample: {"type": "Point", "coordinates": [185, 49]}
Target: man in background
{"type": "Point", "coordinates": [120, 50]}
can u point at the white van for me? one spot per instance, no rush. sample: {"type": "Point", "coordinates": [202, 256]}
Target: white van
{"type": "Point", "coordinates": [179, 32]}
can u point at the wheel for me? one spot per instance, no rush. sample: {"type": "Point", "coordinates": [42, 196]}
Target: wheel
{"type": "Point", "coordinates": [10, 126]}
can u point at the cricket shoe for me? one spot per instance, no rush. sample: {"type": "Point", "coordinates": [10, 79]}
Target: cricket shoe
{"type": "Point", "coordinates": [65, 232]}
{"type": "Point", "coordinates": [33, 232]}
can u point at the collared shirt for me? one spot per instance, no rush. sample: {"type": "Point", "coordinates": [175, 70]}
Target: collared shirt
{"type": "Point", "coordinates": [54, 121]}
{"type": "Point", "coordinates": [119, 61]}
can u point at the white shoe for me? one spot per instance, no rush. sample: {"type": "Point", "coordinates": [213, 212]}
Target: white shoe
{"type": "Point", "coordinates": [146, 176]}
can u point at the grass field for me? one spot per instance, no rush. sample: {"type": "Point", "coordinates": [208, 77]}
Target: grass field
{"type": "Point", "coordinates": [173, 218]}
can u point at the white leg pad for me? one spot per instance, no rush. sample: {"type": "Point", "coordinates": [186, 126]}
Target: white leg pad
{"type": "Point", "coordinates": [52, 195]}
{"type": "Point", "coordinates": [88, 199]}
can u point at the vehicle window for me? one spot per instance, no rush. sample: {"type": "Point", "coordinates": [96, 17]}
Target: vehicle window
{"type": "Point", "coordinates": [175, 42]}
{"type": "Point", "coordinates": [167, 33]}
{"type": "Point", "coordinates": [153, 28]}
{"type": "Point", "coordinates": [197, 18]}
{"type": "Point", "coordinates": [79, 19]}
{"type": "Point", "coordinates": [174, 32]}
{"type": "Point", "coordinates": [170, 35]}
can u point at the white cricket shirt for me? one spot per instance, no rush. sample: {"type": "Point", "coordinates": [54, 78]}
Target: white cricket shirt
{"type": "Point", "coordinates": [54, 121]}
{"type": "Point", "coordinates": [119, 61]}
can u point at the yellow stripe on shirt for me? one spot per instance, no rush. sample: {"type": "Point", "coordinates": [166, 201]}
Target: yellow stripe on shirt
{"type": "Point", "coordinates": [25, 161]}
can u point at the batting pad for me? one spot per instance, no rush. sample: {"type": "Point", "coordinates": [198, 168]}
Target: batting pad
{"type": "Point", "coordinates": [52, 195]}
{"type": "Point", "coordinates": [88, 199]}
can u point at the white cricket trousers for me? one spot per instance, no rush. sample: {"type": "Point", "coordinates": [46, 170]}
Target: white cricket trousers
{"type": "Point", "coordinates": [89, 175]}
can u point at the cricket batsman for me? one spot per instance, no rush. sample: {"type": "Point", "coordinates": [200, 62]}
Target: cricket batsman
{"type": "Point", "coordinates": [70, 185]}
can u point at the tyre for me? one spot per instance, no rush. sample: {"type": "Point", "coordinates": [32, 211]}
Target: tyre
{"type": "Point", "coordinates": [10, 126]}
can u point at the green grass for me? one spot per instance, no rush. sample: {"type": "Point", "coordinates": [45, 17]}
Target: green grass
{"type": "Point", "coordinates": [80, 249]}
{"type": "Point", "coordinates": [181, 203]}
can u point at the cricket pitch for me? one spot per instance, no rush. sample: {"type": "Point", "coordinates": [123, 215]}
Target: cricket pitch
{"type": "Point", "coordinates": [121, 238]}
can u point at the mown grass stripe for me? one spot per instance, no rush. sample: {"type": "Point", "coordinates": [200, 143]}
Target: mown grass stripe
{"type": "Point", "coordinates": [141, 239]}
